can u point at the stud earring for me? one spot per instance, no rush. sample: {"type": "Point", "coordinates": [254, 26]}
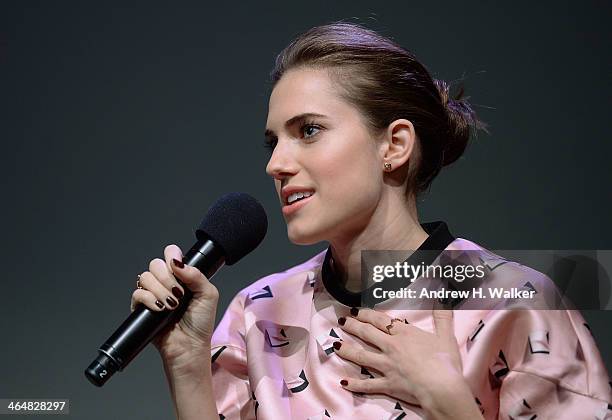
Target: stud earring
{"type": "Point", "coordinates": [387, 166]}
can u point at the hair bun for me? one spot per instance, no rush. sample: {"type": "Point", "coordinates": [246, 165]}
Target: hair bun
{"type": "Point", "coordinates": [461, 119]}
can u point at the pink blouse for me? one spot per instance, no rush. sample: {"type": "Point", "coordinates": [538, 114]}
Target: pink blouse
{"type": "Point", "coordinates": [273, 356]}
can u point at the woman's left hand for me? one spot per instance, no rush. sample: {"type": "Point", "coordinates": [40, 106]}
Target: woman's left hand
{"type": "Point", "coordinates": [416, 365]}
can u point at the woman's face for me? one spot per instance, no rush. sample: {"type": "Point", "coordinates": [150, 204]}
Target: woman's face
{"type": "Point", "coordinates": [321, 146]}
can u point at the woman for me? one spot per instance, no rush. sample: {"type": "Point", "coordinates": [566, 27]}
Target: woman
{"type": "Point", "coordinates": [358, 129]}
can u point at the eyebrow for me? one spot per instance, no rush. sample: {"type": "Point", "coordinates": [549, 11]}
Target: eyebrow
{"type": "Point", "coordinates": [294, 120]}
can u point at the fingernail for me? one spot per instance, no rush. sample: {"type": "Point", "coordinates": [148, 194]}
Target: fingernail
{"type": "Point", "coordinates": [159, 304]}
{"type": "Point", "coordinates": [177, 292]}
{"type": "Point", "coordinates": [337, 345]}
{"type": "Point", "coordinates": [341, 320]}
{"type": "Point", "coordinates": [178, 263]}
{"type": "Point", "coordinates": [171, 301]}
{"type": "Point", "coordinates": [354, 311]}
{"type": "Point", "coordinates": [344, 382]}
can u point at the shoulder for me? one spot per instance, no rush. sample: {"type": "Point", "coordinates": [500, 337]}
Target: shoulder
{"type": "Point", "coordinates": [508, 273]}
{"type": "Point", "coordinates": [283, 283]}
{"type": "Point", "coordinates": [537, 342]}
{"type": "Point", "coordinates": [276, 298]}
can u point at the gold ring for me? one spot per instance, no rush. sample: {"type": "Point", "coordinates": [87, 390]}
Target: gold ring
{"type": "Point", "coordinates": [138, 286]}
{"type": "Point", "coordinates": [388, 327]}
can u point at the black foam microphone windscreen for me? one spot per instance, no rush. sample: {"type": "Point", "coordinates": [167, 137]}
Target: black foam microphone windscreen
{"type": "Point", "coordinates": [235, 215]}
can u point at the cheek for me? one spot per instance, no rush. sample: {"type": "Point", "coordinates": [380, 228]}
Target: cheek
{"type": "Point", "coordinates": [349, 176]}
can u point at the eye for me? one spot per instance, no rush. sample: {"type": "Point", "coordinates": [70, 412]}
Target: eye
{"type": "Point", "coordinates": [310, 129]}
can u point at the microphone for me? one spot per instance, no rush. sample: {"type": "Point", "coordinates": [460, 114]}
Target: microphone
{"type": "Point", "coordinates": [232, 227]}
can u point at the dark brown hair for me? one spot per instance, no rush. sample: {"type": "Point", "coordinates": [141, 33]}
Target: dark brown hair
{"type": "Point", "coordinates": [385, 82]}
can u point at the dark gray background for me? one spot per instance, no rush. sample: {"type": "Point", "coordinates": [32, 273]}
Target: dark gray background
{"type": "Point", "coordinates": [121, 124]}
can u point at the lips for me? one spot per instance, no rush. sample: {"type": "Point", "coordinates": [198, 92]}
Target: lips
{"type": "Point", "coordinates": [292, 189]}
{"type": "Point", "coordinates": [289, 209]}
{"type": "Point", "coordinates": [297, 196]}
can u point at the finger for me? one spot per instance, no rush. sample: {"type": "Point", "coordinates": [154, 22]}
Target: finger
{"type": "Point", "coordinates": [378, 319]}
{"type": "Point", "coordinates": [160, 270]}
{"type": "Point", "coordinates": [172, 252]}
{"type": "Point", "coordinates": [147, 298]}
{"type": "Point", "coordinates": [194, 280]}
{"type": "Point", "coordinates": [365, 331]}
{"type": "Point", "coordinates": [443, 323]}
{"type": "Point", "coordinates": [152, 284]}
{"type": "Point", "coordinates": [366, 386]}
{"type": "Point", "coordinates": [360, 356]}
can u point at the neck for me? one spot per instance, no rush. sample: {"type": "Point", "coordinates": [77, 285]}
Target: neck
{"type": "Point", "coordinates": [391, 227]}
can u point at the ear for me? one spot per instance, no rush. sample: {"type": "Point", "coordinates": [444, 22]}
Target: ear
{"type": "Point", "coordinates": [399, 143]}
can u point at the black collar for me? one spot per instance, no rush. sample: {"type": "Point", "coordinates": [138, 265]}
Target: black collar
{"type": "Point", "coordinates": [439, 238]}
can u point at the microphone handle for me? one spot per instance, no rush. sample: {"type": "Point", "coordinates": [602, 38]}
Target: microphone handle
{"type": "Point", "coordinates": [143, 324]}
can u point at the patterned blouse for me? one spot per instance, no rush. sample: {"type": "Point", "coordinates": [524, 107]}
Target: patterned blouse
{"type": "Point", "coordinates": [273, 358]}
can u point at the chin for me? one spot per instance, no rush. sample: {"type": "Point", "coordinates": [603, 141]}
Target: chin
{"type": "Point", "coordinates": [303, 236]}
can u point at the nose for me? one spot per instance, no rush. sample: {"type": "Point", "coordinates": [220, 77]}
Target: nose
{"type": "Point", "coordinates": [282, 163]}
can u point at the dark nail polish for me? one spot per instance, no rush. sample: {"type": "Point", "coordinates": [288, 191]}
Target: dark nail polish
{"type": "Point", "coordinates": [341, 320]}
{"type": "Point", "coordinates": [177, 292]}
{"type": "Point", "coordinates": [178, 263]}
{"type": "Point", "coordinates": [171, 301]}
{"type": "Point", "coordinates": [354, 311]}
{"type": "Point", "coordinates": [337, 345]}
{"type": "Point", "coordinates": [344, 382]}
{"type": "Point", "coordinates": [159, 304]}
